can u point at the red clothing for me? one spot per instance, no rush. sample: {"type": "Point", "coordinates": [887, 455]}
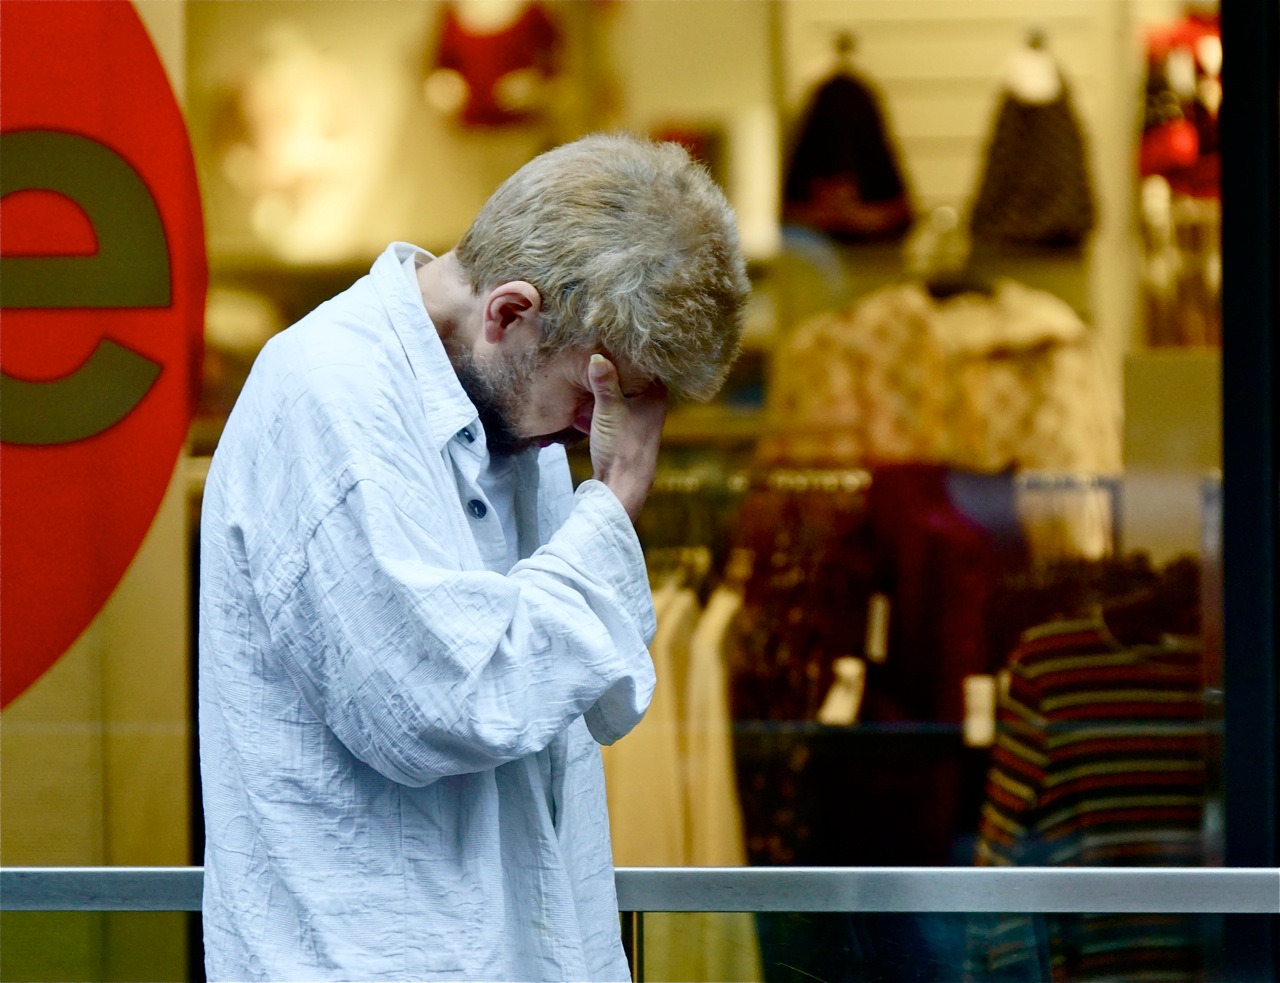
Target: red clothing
{"type": "Point", "coordinates": [1180, 129]}
{"type": "Point", "coordinates": [483, 60]}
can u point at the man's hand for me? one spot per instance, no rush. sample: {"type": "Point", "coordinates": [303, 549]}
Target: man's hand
{"type": "Point", "coordinates": [625, 432]}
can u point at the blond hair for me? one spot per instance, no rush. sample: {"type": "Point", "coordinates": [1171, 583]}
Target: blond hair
{"type": "Point", "coordinates": [632, 248]}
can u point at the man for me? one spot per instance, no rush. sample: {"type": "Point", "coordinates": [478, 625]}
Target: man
{"type": "Point", "coordinates": [413, 632]}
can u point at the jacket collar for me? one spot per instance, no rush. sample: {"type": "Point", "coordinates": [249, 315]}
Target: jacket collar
{"type": "Point", "coordinates": [447, 408]}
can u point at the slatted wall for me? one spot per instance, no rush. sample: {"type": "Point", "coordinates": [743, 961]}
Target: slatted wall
{"type": "Point", "coordinates": [938, 66]}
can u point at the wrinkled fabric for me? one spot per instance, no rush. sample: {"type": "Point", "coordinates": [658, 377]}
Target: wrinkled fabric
{"type": "Point", "coordinates": [399, 754]}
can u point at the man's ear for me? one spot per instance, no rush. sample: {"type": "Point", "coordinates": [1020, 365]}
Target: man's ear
{"type": "Point", "coordinates": [517, 306]}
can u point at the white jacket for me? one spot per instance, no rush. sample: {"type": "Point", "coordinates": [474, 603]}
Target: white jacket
{"type": "Point", "coordinates": [399, 773]}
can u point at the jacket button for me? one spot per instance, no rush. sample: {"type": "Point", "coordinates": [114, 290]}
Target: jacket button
{"type": "Point", "coordinates": [466, 435]}
{"type": "Point", "coordinates": [477, 508]}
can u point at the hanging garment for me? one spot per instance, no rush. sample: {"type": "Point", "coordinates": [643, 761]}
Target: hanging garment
{"type": "Point", "coordinates": [1100, 761]}
{"type": "Point", "coordinates": [844, 178]}
{"type": "Point", "coordinates": [663, 595]}
{"type": "Point", "coordinates": [936, 571]}
{"type": "Point", "coordinates": [484, 60]}
{"type": "Point", "coordinates": [873, 793]}
{"type": "Point", "coordinates": [1183, 96]}
{"type": "Point", "coordinates": [1035, 188]}
{"type": "Point", "coordinates": [644, 782]}
{"type": "Point", "coordinates": [714, 945]}
{"type": "Point", "coordinates": [1180, 161]}
{"type": "Point", "coordinates": [715, 819]}
{"type": "Point", "coordinates": [985, 382]}
{"type": "Point", "coordinates": [644, 776]}
{"type": "Point", "coordinates": [804, 607]}
{"type": "Point", "coordinates": [1181, 266]}
{"type": "Point", "coordinates": [939, 570]}
{"type": "Point", "coordinates": [801, 606]}
{"type": "Point", "coordinates": [672, 791]}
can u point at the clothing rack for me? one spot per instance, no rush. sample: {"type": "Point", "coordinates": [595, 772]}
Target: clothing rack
{"type": "Point", "coordinates": [923, 585]}
{"type": "Point", "coordinates": [781, 479]}
{"type": "Point", "coordinates": [1049, 498]}
{"type": "Point", "coordinates": [846, 479]}
{"type": "Point", "coordinates": [884, 570]}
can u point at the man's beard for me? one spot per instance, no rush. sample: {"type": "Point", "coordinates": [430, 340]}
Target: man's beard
{"type": "Point", "coordinates": [497, 387]}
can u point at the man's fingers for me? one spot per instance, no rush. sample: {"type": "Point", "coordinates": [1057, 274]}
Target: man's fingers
{"type": "Point", "coordinates": [624, 433]}
{"type": "Point", "coordinates": [603, 377]}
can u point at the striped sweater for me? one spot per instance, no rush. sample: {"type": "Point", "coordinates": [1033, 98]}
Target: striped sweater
{"type": "Point", "coordinates": [1099, 761]}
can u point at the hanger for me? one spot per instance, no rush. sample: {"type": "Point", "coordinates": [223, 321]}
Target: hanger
{"type": "Point", "coordinates": [938, 252]}
{"type": "Point", "coordinates": [845, 43]}
{"type": "Point", "coordinates": [1031, 73]}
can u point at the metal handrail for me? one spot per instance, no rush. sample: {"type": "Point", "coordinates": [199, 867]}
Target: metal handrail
{"type": "Point", "coordinates": [1216, 890]}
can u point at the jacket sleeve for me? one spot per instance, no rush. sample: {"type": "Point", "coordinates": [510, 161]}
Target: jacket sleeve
{"type": "Point", "coordinates": [424, 670]}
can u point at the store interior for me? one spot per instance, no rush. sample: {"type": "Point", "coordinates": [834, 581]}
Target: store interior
{"type": "Point", "coordinates": [960, 492]}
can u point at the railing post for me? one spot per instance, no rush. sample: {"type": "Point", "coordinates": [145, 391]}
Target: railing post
{"type": "Point", "coordinates": [637, 960]}
{"type": "Point", "coordinates": [633, 943]}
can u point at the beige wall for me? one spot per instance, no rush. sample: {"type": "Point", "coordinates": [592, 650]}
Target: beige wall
{"type": "Point", "coordinates": [710, 63]}
{"type": "Point", "coordinates": [1172, 447]}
